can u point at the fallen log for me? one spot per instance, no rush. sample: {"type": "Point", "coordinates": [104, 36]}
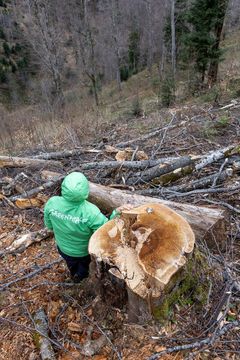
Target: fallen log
{"type": "Point", "coordinates": [192, 185]}
{"type": "Point", "coordinates": [66, 154]}
{"type": "Point", "coordinates": [185, 165]}
{"type": "Point", "coordinates": [8, 161]}
{"type": "Point", "coordinates": [233, 189]}
{"type": "Point", "coordinates": [173, 176]}
{"type": "Point", "coordinates": [203, 220]}
{"type": "Point", "coordinates": [217, 155]}
{"type": "Point", "coordinates": [160, 170]}
{"type": "Point", "coordinates": [32, 192]}
{"type": "Point", "coordinates": [206, 222]}
{"type": "Point", "coordinates": [179, 173]}
{"type": "Point", "coordinates": [144, 164]}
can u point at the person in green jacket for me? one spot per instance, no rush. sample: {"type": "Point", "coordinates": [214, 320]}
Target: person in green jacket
{"type": "Point", "coordinates": [73, 220]}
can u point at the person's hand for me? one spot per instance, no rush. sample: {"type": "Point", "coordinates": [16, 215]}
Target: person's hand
{"type": "Point", "coordinates": [124, 207]}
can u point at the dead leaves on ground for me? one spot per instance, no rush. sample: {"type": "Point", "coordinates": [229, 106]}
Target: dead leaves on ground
{"type": "Point", "coordinates": [129, 154]}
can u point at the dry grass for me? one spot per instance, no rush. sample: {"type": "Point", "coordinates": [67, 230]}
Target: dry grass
{"type": "Point", "coordinates": [34, 127]}
{"type": "Point", "coordinates": [230, 67]}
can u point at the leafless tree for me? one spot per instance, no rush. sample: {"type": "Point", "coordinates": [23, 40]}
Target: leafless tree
{"type": "Point", "coordinates": [115, 14]}
{"type": "Point", "coordinates": [150, 32]}
{"type": "Point", "coordinates": [41, 24]}
{"type": "Point", "coordinates": [90, 40]}
{"type": "Point", "coordinates": [173, 38]}
{"type": "Point", "coordinates": [214, 64]}
{"type": "Point", "coordinates": [82, 29]}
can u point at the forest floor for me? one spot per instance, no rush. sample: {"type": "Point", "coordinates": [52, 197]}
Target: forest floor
{"type": "Point", "coordinates": [37, 278]}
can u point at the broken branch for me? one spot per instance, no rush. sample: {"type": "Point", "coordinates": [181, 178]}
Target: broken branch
{"type": "Point", "coordinates": [45, 186]}
{"type": "Point", "coordinates": [192, 185]}
{"type": "Point", "coordinates": [26, 240]}
{"type": "Point", "coordinates": [183, 166]}
{"type": "Point", "coordinates": [159, 170]}
{"type": "Point", "coordinates": [198, 344]}
{"type": "Point", "coordinates": [126, 164]}
{"type": "Point", "coordinates": [30, 275]}
{"type": "Point", "coordinates": [41, 325]}
{"type": "Point", "coordinates": [66, 154]}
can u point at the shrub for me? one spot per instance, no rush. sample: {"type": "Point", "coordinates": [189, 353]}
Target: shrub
{"type": "Point", "coordinates": [222, 122]}
{"type": "Point", "coordinates": [136, 109]}
{"type": "Point", "coordinates": [167, 92]}
{"type": "Point", "coordinates": [125, 73]}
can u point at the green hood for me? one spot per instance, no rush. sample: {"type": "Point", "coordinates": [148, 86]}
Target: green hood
{"type": "Point", "coordinates": [75, 187]}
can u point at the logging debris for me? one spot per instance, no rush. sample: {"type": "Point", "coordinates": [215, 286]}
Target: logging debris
{"type": "Point", "coordinates": [33, 276]}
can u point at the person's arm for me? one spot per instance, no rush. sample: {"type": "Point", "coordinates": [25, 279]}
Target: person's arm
{"type": "Point", "coordinates": [98, 221]}
{"type": "Point", "coordinates": [47, 220]}
{"type": "Point", "coordinates": [114, 214]}
{"type": "Point", "coordinates": [118, 211]}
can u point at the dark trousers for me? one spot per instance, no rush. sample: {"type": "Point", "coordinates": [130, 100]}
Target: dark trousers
{"type": "Point", "coordinates": [78, 266]}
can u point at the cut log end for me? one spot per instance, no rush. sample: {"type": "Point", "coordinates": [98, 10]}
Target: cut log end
{"type": "Point", "coordinates": [146, 246]}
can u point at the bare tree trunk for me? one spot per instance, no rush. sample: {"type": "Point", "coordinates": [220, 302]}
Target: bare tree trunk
{"type": "Point", "coordinates": [173, 32]}
{"type": "Point", "coordinates": [150, 34]}
{"type": "Point", "coordinates": [46, 40]}
{"type": "Point", "coordinates": [95, 91]}
{"type": "Point", "coordinates": [92, 73]}
{"type": "Point", "coordinates": [114, 4]}
{"type": "Point", "coordinates": [213, 68]}
{"type": "Point", "coordinates": [58, 95]}
{"type": "Point", "coordinates": [162, 61]}
{"type": "Point", "coordinates": [85, 47]}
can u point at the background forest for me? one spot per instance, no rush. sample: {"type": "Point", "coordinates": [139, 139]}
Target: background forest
{"type": "Point", "coordinates": [88, 61]}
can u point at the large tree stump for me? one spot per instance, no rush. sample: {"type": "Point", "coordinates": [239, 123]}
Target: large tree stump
{"type": "Point", "coordinates": [145, 247]}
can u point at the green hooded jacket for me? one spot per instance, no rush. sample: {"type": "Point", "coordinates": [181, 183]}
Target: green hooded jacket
{"type": "Point", "coordinates": [72, 218]}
